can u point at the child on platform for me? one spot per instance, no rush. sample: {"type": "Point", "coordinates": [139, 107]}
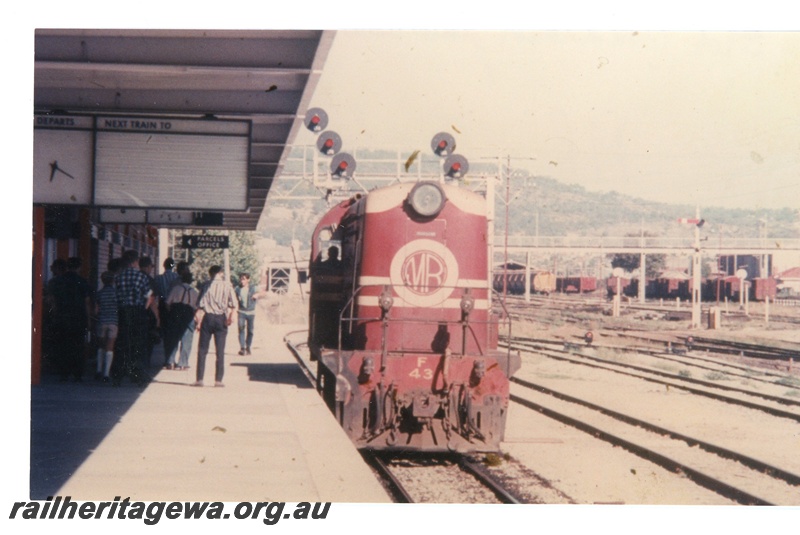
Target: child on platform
{"type": "Point", "coordinates": [106, 310]}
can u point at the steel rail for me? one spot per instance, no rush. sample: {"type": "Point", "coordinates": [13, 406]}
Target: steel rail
{"type": "Point", "coordinates": [719, 397]}
{"type": "Point", "coordinates": [745, 348]}
{"type": "Point", "coordinates": [709, 482]}
{"type": "Point", "coordinates": [475, 470]}
{"type": "Point", "coordinates": [393, 485]}
{"type": "Point", "coordinates": [396, 489]}
{"type": "Point", "coordinates": [755, 464]}
{"type": "Point", "coordinates": [670, 357]}
{"type": "Point", "coordinates": [725, 348]}
{"type": "Point", "coordinates": [709, 384]}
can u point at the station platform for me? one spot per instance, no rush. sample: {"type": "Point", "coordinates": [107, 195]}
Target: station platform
{"type": "Point", "coordinates": [265, 436]}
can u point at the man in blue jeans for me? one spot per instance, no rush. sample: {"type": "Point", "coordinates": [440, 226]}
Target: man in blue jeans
{"type": "Point", "coordinates": [246, 295]}
{"type": "Point", "coordinates": [214, 314]}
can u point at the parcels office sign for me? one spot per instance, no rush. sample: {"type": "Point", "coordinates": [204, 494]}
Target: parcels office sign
{"type": "Point", "coordinates": [142, 162]}
{"type": "Point", "coordinates": [204, 242]}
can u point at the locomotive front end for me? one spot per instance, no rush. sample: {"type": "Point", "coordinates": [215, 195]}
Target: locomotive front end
{"type": "Point", "coordinates": [415, 364]}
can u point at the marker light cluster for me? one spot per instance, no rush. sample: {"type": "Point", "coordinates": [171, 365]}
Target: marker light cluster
{"type": "Point", "coordinates": [329, 143]}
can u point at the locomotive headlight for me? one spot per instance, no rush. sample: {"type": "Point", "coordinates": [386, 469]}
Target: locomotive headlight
{"type": "Point", "coordinates": [467, 304]}
{"type": "Point", "coordinates": [427, 198]}
{"type": "Point", "coordinates": [366, 371]}
{"type": "Point", "coordinates": [386, 300]}
{"type": "Point", "coordinates": [477, 374]}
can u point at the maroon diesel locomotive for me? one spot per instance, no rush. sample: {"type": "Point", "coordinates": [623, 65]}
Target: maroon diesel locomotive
{"type": "Point", "coordinates": [401, 324]}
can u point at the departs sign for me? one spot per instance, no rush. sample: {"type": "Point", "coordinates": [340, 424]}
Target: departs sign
{"type": "Point", "coordinates": [204, 242]}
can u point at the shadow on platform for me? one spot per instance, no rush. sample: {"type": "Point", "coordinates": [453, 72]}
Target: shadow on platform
{"type": "Point", "coordinates": [278, 373]}
{"type": "Point", "coordinates": [68, 421]}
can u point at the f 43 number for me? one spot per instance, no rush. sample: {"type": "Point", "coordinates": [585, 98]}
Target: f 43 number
{"type": "Point", "coordinates": [420, 372]}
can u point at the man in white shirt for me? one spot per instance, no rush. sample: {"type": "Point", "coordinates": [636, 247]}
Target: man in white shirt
{"type": "Point", "coordinates": [214, 315]}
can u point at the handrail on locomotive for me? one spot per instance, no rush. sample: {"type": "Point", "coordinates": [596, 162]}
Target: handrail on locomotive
{"type": "Point", "coordinates": [386, 320]}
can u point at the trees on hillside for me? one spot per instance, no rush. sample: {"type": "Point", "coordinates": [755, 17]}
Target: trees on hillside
{"type": "Point", "coordinates": [654, 263]}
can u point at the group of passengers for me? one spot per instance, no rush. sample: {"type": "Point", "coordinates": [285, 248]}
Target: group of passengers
{"type": "Point", "coordinates": [133, 311]}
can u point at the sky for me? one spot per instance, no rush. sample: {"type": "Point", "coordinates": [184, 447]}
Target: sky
{"type": "Point", "coordinates": [690, 104]}
{"type": "Point", "coordinates": [709, 118]}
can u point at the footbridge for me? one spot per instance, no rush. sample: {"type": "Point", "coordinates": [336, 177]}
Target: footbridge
{"type": "Point", "coordinates": [644, 245]}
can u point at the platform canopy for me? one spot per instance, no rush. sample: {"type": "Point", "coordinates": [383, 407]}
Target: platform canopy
{"type": "Point", "coordinates": [265, 77]}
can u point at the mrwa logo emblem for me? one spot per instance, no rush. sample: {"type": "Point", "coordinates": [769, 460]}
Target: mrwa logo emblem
{"type": "Point", "coordinates": [424, 273]}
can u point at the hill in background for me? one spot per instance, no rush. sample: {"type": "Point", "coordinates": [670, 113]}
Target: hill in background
{"type": "Point", "coordinates": [555, 208]}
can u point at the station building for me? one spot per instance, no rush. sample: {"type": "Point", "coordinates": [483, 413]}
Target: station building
{"type": "Point", "coordinates": [137, 131]}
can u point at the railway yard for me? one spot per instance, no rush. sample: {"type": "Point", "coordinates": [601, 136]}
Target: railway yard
{"type": "Point", "coordinates": [645, 412]}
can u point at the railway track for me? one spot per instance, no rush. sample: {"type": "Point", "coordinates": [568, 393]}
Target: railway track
{"type": "Point", "coordinates": [391, 483]}
{"type": "Point", "coordinates": [725, 347]}
{"type": "Point", "coordinates": [730, 474]}
{"type": "Point", "coordinates": [715, 467]}
{"type": "Point", "coordinates": [670, 380]}
{"type": "Point", "coordinates": [675, 355]}
{"type": "Point", "coordinates": [730, 347]}
{"type": "Point", "coordinates": [751, 462]}
{"type": "Point", "coordinates": [381, 464]}
{"type": "Point", "coordinates": [543, 308]}
{"type": "Point", "coordinates": [668, 352]}
{"type": "Point", "coordinates": [444, 478]}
